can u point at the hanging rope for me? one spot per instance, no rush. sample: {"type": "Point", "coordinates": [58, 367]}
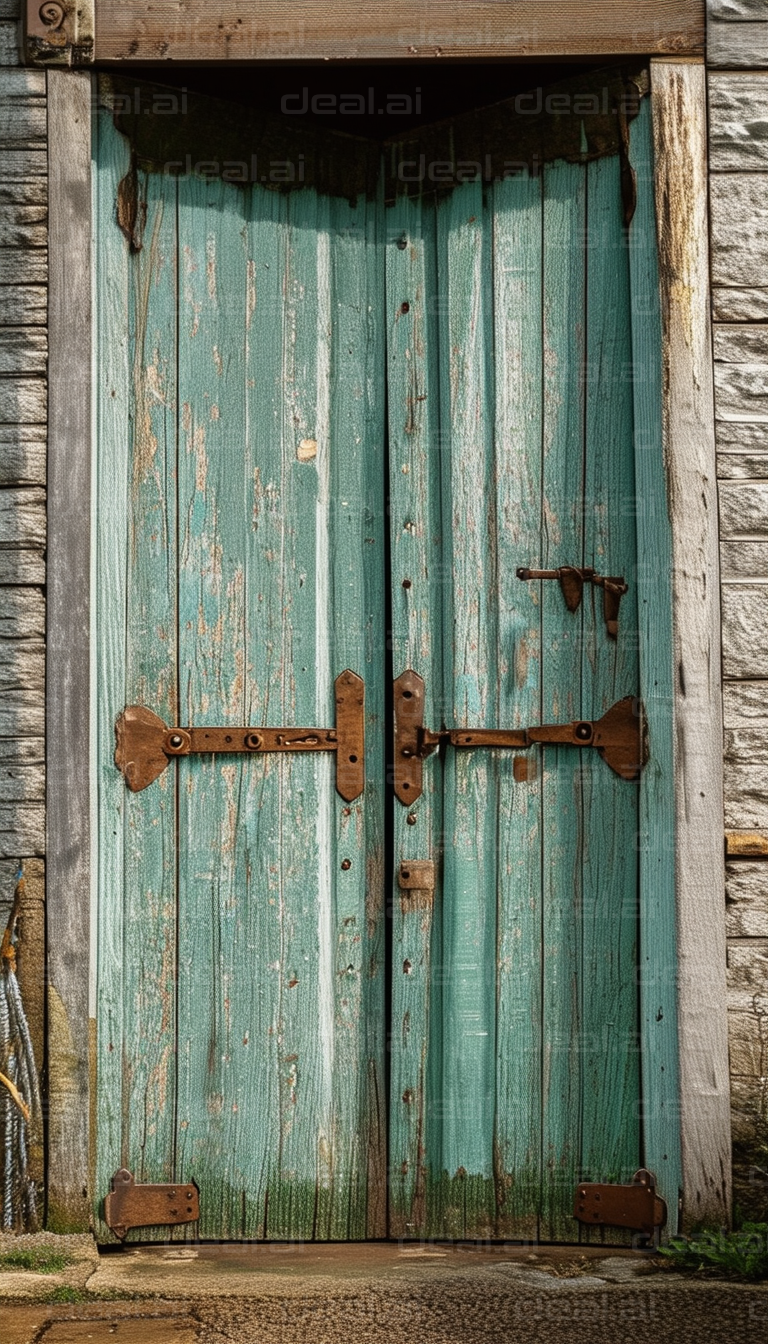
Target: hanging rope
{"type": "Point", "coordinates": [19, 1091]}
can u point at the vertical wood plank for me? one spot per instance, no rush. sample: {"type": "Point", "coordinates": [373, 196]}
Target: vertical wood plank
{"type": "Point", "coordinates": [419, 583]}
{"type": "Point", "coordinates": [68, 802]}
{"type": "Point", "coordinates": [470, 691]}
{"type": "Point", "coordinates": [110, 484]}
{"type": "Point", "coordinates": [609, 1042]}
{"type": "Point", "coordinates": [517, 299]}
{"type": "Point", "coordinates": [562, 632]}
{"type": "Point", "coordinates": [679, 124]}
{"type": "Point", "coordinates": [657, 951]}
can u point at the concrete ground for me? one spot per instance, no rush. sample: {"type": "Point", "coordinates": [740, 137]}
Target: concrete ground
{"type": "Point", "coordinates": [371, 1294]}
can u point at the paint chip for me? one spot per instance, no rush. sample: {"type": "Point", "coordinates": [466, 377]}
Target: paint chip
{"type": "Point", "coordinates": [307, 450]}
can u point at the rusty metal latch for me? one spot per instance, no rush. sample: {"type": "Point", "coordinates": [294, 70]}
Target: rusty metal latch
{"type": "Point", "coordinates": [636, 1206]}
{"type": "Point", "coordinates": [145, 744]}
{"type": "Point", "coordinates": [619, 736]}
{"type": "Point", "coordinates": [572, 580]}
{"type": "Point", "coordinates": [130, 1205]}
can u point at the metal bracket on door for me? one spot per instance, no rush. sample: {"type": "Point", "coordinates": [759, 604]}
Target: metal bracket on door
{"type": "Point", "coordinates": [145, 744]}
{"type": "Point", "coordinates": [636, 1206]}
{"type": "Point", "coordinates": [572, 582]}
{"type": "Point", "coordinates": [130, 1205]}
{"type": "Point", "coordinates": [619, 736]}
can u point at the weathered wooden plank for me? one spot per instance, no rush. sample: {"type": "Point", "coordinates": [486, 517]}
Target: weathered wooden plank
{"type": "Point", "coordinates": [21, 781]}
{"type": "Point", "coordinates": [24, 85]}
{"type": "Point", "coordinates": [10, 53]}
{"type": "Point", "coordinates": [26, 751]}
{"type": "Point", "coordinates": [741, 466]}
{"type": "Point", "coordinates": [22, 567]}
{"type": "Point", "coordinates": [744, 703]}
{"type": "Point", "coordinates": [22, 614]}
{"type": "Point", "coordinates": [735, 343]}
{"type": "Point", "coordinates": [739, 214]}
{"type": "Point", "coordinates": [657, 961]}
{"type": "Point", "coordinates": [22, 518]}
{"type": "Point", "coordinates": [22, 455]}
{"type": "Point", "coordinates": [735, 10]}
{"type": "Point", "coordinates": [112, 391]}
{"type": "Point", "coordinates": [22, 226]}
{"type": "Point", "coordinates": [10, 9]}
{"type": "Point", "coordinates": [22, 714]}
{"type": "Point", "coordinates": [743, 509]}
{"type": "Point", "coordinates": [563, 486]}
{"type": "Point", "coordinates": [743, 560]}
{"type": "Point", "coordinates": [679, 118]}
{"type": "Point", "coordinates": [68, 674]}
{"type": "Point", "coordinates": [747, 973]}
{"type": "Point", "coordinates": [23, 165]}
{"type": "Point", "coordinates": [746, 803]}
{"type": "Point", "coordinates": [22, 665]}
{"type": "Point", "coordinates": [745, 631]}
{"type": "Point", "coordinates": [739, 305]}
{"type": "Point", "coordinates": [22, 829]}
{"type": "Point", "coordinates": [23, 401]}
{"type": "Point", "coordinates": [23, 350]}
{"type": "Point", "coordinates": [15, 190]}
{"type": "Point", "coordinates": [29, 264]}
{"type": "Point", "coordinates": [746, 844]}
{"type": "Point", "coordinates": [737, 44]}
{"type": "Point", "coordinates": [738, 122]}
{"type": "Point", "coordinates": [417, 561]}
{"type": "Point", "coordinates": [611, 1135]}
{"type": "Point", "coordinates": [470, 697]}
{"type": "Point", "coordinates": [741, 391]}
{"type": "Point", "coordinates": [138, 31]}
{"type": "Point", "coordinates": [23, 119]}
{"type": "Point", "coordinates": [23, 304]}
{"type": "Point", "coordinates": [517, 288]}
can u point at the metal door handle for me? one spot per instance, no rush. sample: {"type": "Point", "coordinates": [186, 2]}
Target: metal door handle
{"type": "Point", "coordinates": [619, 736]}
{"type": "Point", "coordinates": [145, 744]}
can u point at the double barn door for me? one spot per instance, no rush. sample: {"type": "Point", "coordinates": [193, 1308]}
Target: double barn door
{"type": "Point", "coordinates": [333, 420]}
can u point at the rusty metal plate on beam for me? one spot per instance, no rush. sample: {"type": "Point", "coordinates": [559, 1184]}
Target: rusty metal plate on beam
{"type": "Point", "coordinates": [350, 735]}
{"type": "Point", "coordinates": [130, 1205]}
{"type": "Point", "coordinates": [635, 1206]}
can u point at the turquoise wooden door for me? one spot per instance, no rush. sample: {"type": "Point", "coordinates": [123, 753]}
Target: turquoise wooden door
{"type": "Point", "coordinates": [290, 347]}
{"type": "Point", "coordinates": [514, 364]}
{"type": "Point", "coordinates": [240, 485]}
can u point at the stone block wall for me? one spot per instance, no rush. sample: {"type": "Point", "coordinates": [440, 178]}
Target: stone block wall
{"type": "Point", "coordinates": [737, 58]}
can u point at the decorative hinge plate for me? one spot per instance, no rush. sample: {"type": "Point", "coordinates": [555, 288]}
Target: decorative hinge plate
{"type": "Point", "coordinates": [58, 32]}
{"type": "Point", "coordinates": [636, 1206]}
{"type": "Point", "coordinates": [130, 1205]}
{"type": "Point", "coordinates": [145, 745]}
{"type": "Point", "coordinates": [619, 737]}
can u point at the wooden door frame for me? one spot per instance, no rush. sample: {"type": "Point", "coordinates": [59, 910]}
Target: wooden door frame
{"type": "Point", "coordinates": [696, 973]}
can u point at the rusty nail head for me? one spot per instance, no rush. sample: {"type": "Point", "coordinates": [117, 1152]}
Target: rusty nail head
{"type": "Point", "coordinates": [406, 583]}
{"type": "Point", "coordinates": [346, 863]}
{"type": "Point", "coordinates": [411, 818]}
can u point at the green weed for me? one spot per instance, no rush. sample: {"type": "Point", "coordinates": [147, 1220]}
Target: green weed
{"type": "Point", "coordinates": [742, 1254]}
{"type": "Point", "coordinates": [37, 1258]}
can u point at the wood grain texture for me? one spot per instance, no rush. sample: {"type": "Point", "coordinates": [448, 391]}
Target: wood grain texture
{"type": "Point", "coordinates": [22, 567]}
{"type": "Point", "coordinates": [22, 455]}
{"type": "Point", "coordinates": [22, 350]}
{"type": "Point", "coordinates": [678, 102]}
{"type": "Point", "coordinates": [23, 401]}
{"type": "Point", "coordinates": [317, 29]}
{"type": "Point", "coordinates": [735, 45]}
{"type": "Point", "coordinates": [68, 717]}
{"type": "Point", "coordinates": [28, 264]}
{"type": "Point", "coordinates": [22, 518]}
{"type": "Point", "coordinates": [738, 122]}
{"type": "Point", "coordinates": [738, 11]}
{"type": "Point", "coordinates": [9, 43]}
{"type": "Point", "coordinates": [23, 305]}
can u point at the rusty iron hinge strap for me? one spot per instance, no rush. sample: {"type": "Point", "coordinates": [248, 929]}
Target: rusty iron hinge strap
{"type": "Point", "coordinates": [619, 736]}
{"type": "Point", "coordinates": [636, 1206]}
{"type": "Point", "coordinates": [130, 1205]}
{"type": "Point", "coordinates": [572, 580]}
{"type": "Point", "coordinates": [145, 744]}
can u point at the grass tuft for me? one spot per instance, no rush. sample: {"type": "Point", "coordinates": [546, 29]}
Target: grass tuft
{"type": "Point", "coordinates": [36, 1258]}
{"type": "Point", "coordinates": [738, 1255]}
